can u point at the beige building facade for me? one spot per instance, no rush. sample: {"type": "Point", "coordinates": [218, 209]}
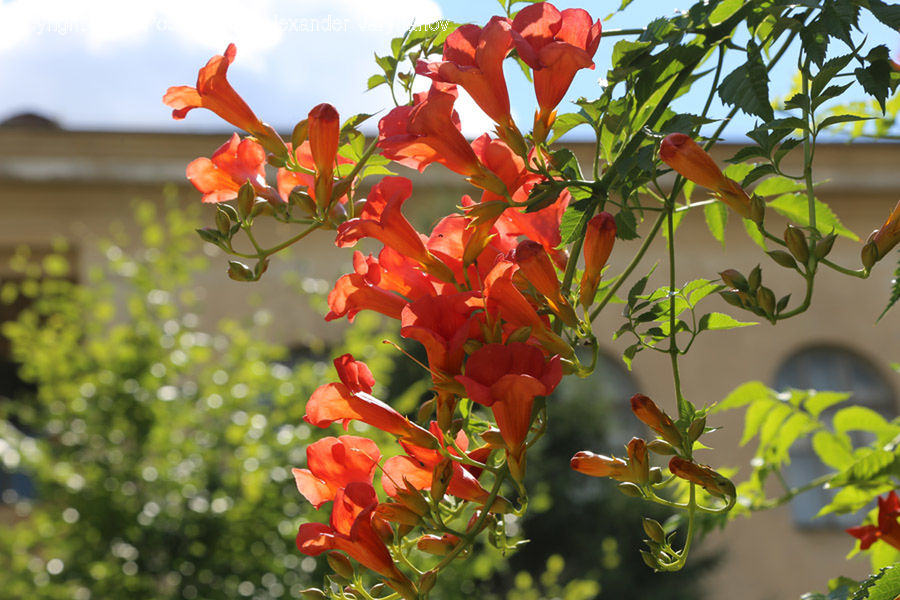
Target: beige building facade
{"type": "Point", "coordinates": [75, 183]}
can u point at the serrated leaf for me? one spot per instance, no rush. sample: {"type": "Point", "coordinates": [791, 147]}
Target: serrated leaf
{"type": "Point", "coordinates": [573, 222]}
{"type": "Point", "coordinates": [626, 225]}
{"type": "Point", "coordinates": [774, 186]}
{"type": "Point", "coordinates": [794, 207]}
{"type": "Point", "coordinates": [716, 219]}
{"type": "Point", "coordinates": [817, 401]}
{"type": "Point", "coordinates": [859, 418]}
{"type": "Point", "coordinates": [815, 40]}
{"type": "Point", "coordinates": [775, 417]}
{"type": "Point", "coordinates": [852, 498]}
{"type": "Point", "coordinates": [755, 417]}
{"type": "Point", "coordinates": [827, 73]}
{"type": "Point", "coordinates": [870, 464]}
{"type": "Point", "coordinates": [375, 81]}
{"type": "Point", "coordinates": [889, 14]}
{"type": "Point", "coordinates": [794, 427]}
{"type": "Point", "coordinates": [876, 80]}
{"type": "Point", "coordinates": [747, 87]}
{"type": "Point", "coordinates": [725, 9]}
{"type": "Point", "coordinates": [717, 321]}
{"type": "Point", "coordinates": [755, 234]}
{"type": "Point", "coordinates": [833, 450]}
{"type": "Point", "coordinates": [565, 123]}
{"type": "Point", "coordinates": [835, 119]}
{"type": "Point", "coordinates": [744, 394]}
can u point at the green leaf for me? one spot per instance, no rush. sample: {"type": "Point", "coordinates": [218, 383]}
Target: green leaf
{"type": "Point", "coordinates": [774, 186]}
{"type": "Point", "coordinates": [827, 73]}
{"type": "Point", "coordinates": [868, 464]}
{"type": "Point", "coordinates": [817, 401]}
{"type": "Point", "coordinates": [835, 119]}
{"type": "Point", "coordinates": [889, 14]}
{"type": "Point", "coordinates": [852, 498]}
{"type": "Point", "coordinates": [815, 40]}
{"type": "Point", "coordinates": [876, 80]}
{"type": "Point", "coordinates": [747, 87]}
{"type": "Point", "coordinates": [375, 81]}
{"type": "Point", "coordinates": [795, 427]}
{"type": "Point", "coordinates": [833, 450]}
{"type": "Point", "coordinates": [716, 218]}
{"type": "Point", "coordinates": [626, 225]}
{"type": "Point", "coordinates": [860, 418]}
{"type": "Point", "coordinates": [725, 9]}
{"type": "Point", "coordinates": [755, 417]}
{"type": "Point", "coordinates": [565, 123]}
{"type": "Point", "coordinates": [755, 234]}
{"type": "Point", "coordinates": [744, 394]}
{"type": "Point", "coordinates": [573, 221]}
{"type": "Point", "coordinates": [716, 321]}
{"type": "Point", "coordinates": [795, 208]}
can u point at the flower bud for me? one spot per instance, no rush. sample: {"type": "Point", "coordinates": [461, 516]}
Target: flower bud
{"type": "Point", "coordinates": [246, 198]}
{"type": "Point", "coordinates": [631, 489]}
{"type": "Point", "coordinates": [384, 530]}
{"type": "Point", "coordinates": [766, 300]}
{"type": "Point", "coordinates": [823, 246]}
{"type": "Point", "coordinates": [440, 479]}
{"type": "Point", "coordinates": [493, 438]}
{"type": "Point", "coordinates": [783, 258]}
{"type": "Point", "coordinates": [437, 545]}
{"type": "Point", "coordinates": [655, 475]}
{"type": "Point", "coordinates": [324, 129]}
{"type": "Point", "coordinates": [648, 413]}
{"type": "Point", "coordinates": [733, 279]}
{"type": "Point", "coordinates": [732, 298]}
{"type": "Point", "coordinates": [711, 481]}
{"type": "Point", "coordinates": [598, 243]}
{"type": "Point", "coordinates": [796, 243]}
{"type": "Point", "coordinates": [340, 564]}
{"type": "Point", "coordinates": [598, 465]}
{"type": "Point", "coordinates": [521, 334]}
{"type": "Point", "coordinates": [884, 238]}
{"type": "Point", "coordinates": [698, 426]}
{"type": "Point", "coordinates": [427, 581]}
{"type": "Point", "coordinates": [757, 210]}
{"type": "Point", "coordinates": [223, 223]}
{"type": "Point", "coordinates": [313, 594]}
{"type": "Point", "coordinates": [637, 460]}
{"type": "Point", "coordinates": [654, 530]}
{"type": "Point", "coordinates": [238, 271]}
{"type": "Point", "coordinates": [649, 560]}
{"type": "Point", "coordinates": [869, 255]}
{"type": "Point", "coordinates": [537, 268]}
{"type": "Point", "coordinates": [754, 279]}
{"type": "Point", "coordinates": [661, 447]}
{"type": "Point", "coordinates": [412, 498]}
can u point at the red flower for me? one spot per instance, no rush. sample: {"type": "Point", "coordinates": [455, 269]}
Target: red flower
{"type": "Point", "coordinates": [598, 243]}
{"type": "Point", "coordinates": [418, 467]}
{"type": "Point", "coordinates": [288, 180]}
{"type": "Point", "coordinates": [352, 530]}
{"type": "Point", "coordinates": [887, 530]}
{"type": "Point", "coordinates": [636, 469]}
{"type": "Point", "coordinates": [442, 324]}
{"type": "Point", "coordinates": [333, 464]}
{"type": "Point", "coordinates": [381, 218]}
{"type": "Point", "coordinates": [213, 92]}
{"type": "Point", "coordinates": [357, 291]}
{"type": "Point", "coordinates": [351, 399]}
{"type": "Point", "coordinates": [473, 58]}
{"type": "Point", "coordinates": [507, 378]}
{"type": "Point", "coordinates": [236, 162]}
{"type": "Point", "coordinates": [561, 43]}
{"type": "Point", "coordinates": [429, 131]}
{"type": "Point", "coordinates": [693, 163]}
{"type": "Point", "coordinates": [324, 125]}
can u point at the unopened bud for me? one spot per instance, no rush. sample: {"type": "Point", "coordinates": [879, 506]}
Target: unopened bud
{"type": "Point", "coordinates": [313, 594]}
{"type": "Point", "coordinates": [754, 279]}
{"type": "Point", "coordinates": [437, 545]}
{"type": "Point", "coordinates": [520, 335]}
{"type": "Point", "coordinates": [223, 223]}
{"type": "Point", "coordinates": [649, 560]}
{"type": "Point", "coordinates": [732, 298]}
{"type": "Point", "coordinates": [783, 258]}
{"type": "Point", "coordinates": [238, 271]}
{"type": "Point", "coordinates": [733, 279]}
{"type": "Point", "coordinates": [648, 413]}
{"type": "Point", "coordinates": [654, 530]}
{"type": "Point", "coordinates": [246, 198]}
{"type": "Point", "coordinates": [427, 581]}
{"type": "Point", "coordinates": [384, 530]}
{"type": "Point", "coordinates": [340, 564]}
{"type": "Point", "coordinates": [698, 426]}
{"type": "Point", "coordinates": [766, 300]}
{"type": "Point", "coordinates": [796, 243]}
{"type": "Point", "coordinates": [493, 438]}
{"type": "Point", "coordinates": [412, 498]}
{"type": "Point", "coordinates": [440, 479]}
{"type": "Point", "coordinates": [757, 210]}
{"type": "Point", "coordinates": [823, 246]}
{"type": "Point", "coordinates": [869, 255]}
{"type": "Point", "coordinates": [300, 133]}
{"type": "Point", "coordinates": [655, 475]}
{"type": "Point", "coordinates": [397, 513]}
{"type": "Point", "coordinates": [631, 489]}
{"type": "Point", "coordinates": [661, 447]}
{"type": "Point", "coordinates": [425, 411]}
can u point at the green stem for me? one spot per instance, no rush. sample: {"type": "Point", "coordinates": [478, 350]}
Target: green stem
{"type": "Point", "coordinates": [291, 241]}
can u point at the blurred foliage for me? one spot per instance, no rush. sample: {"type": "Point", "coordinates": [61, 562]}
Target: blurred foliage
{"type": "Point", "coordinates": [160, 453]}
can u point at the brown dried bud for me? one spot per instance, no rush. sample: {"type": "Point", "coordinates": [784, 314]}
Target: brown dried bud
{"type": "Point", "coordinates": [733, 279]}
{"type": "Point", "coordinates": [796, 243]}
{"type": "Point", "coordinates": [823, 246]}
{"type": "Point", "coordinates": [783, 258]}
{"type": "Point", "coordinates": [340, 564]}
{"type": "Point", "coordinates": [766, 300]}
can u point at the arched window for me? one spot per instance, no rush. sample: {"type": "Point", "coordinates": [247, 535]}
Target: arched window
{"type": "Point", "coordinates": [833, 368]}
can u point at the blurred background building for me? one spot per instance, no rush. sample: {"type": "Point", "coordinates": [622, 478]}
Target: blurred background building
{"type": "Point", "coordinates": [75, 184]}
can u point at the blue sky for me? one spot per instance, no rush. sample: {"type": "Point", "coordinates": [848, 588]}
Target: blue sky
{"type": "Point", "coordinates": [104, 64]}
